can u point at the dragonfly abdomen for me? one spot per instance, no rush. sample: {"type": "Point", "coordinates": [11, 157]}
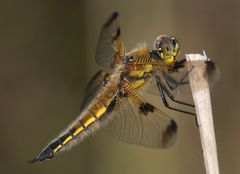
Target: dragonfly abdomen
{"type": "Point", "coordinates": [86, 124]}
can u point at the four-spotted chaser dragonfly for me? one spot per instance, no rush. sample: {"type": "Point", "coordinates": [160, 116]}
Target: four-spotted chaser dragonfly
{"type": "Point", "coordinates": [113, 99]}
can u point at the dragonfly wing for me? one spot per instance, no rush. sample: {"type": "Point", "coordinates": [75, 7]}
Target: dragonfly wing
{"type": "Point", "coordinates": [155, 130]}
{"type": "Point", "coordinates": [97, 81]}
{"type": "Point", "coordinates": [139, 46]}
{"type": "Point", "coordinates": [151, 87]}
{"type": "Point", "coordinates": [212, 72]}
{"type": "Point", "coordinates": [110, 46]}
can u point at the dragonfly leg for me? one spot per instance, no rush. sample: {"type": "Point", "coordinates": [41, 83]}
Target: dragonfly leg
{"type": "Point", "coordinates": [179, 64]}
{"type": "Point", "coordinates": [170, 95]}
{"type": "Point", "coordinates": [173, 83]}
{"type": "Point", "coordinates": [163, 90]}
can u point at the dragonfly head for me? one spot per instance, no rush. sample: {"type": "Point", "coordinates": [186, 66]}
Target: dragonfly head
{"type": "Point", "coordinates": [167, 48]}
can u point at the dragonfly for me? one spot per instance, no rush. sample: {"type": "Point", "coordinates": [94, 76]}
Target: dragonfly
{"type": "Point", "coordinates": [114, 97]}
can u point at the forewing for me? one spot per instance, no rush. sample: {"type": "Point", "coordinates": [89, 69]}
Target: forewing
{"type": "Point", "coordinates": [110, 46]}
{"type": "Point", "coordinates": [155, 130]}
{"type": "Point", "coordinates": [150, 85]}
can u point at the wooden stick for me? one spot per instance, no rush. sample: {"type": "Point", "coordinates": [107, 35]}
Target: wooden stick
{"type": "Point", "coordinates": [201, 96]}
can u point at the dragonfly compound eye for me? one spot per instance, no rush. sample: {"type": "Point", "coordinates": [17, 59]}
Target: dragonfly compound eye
{"type": "Point", "coordinates": [164, 45]}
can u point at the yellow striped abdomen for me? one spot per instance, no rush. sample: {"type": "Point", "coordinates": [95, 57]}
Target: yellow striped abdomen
{"type": "Point", "coordinates": [87, 123]}
{"type": "Point", "coordinates": [91, 118]}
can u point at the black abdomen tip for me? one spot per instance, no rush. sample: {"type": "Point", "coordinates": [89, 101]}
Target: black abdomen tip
{"type": "Point", "coordinates": [33, 160]}
{"type": "Point", "coordinates": [42, 157]}
{"type": "Point", "coordinates": [47, 153]}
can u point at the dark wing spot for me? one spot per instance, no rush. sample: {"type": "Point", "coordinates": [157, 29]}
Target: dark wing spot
{"type": "Point", "coordinates": [145, 108]}
{"type": "Point", "coordinates": [118, 32]}
{"type": "Point", "coordinates": [212, 73]}
{"type": "Point", "coordinates": [111, 19]}
{"type": "Point", "coordinates": [211, 67]}
{"type": "Point", "coordinates": [169, 133]}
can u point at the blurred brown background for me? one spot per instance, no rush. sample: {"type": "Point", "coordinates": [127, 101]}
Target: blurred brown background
{"type": "Point", "coordinates": [47, 57]}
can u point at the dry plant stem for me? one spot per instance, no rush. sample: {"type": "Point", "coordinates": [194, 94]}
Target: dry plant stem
{"type": "Point", "coordinates": [201, 96]}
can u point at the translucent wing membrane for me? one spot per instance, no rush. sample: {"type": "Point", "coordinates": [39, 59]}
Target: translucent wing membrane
{"type": "Point", "coordinates": [150, 86]}
{"type": "Point", "coordinates": [176, 82]}
{"type": "Point", "coordinates": [139, 46]}
{"type": "Point", "coordinates": [107, 46]}
{"type": "Point", "coordinates": [97, 81]}
{"type": "Point", "coordinates": [212, 70]}
{"type": "Point", "coordinates": [170, 96]}
{"type": "Point", "coordinates": [155, 130]}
